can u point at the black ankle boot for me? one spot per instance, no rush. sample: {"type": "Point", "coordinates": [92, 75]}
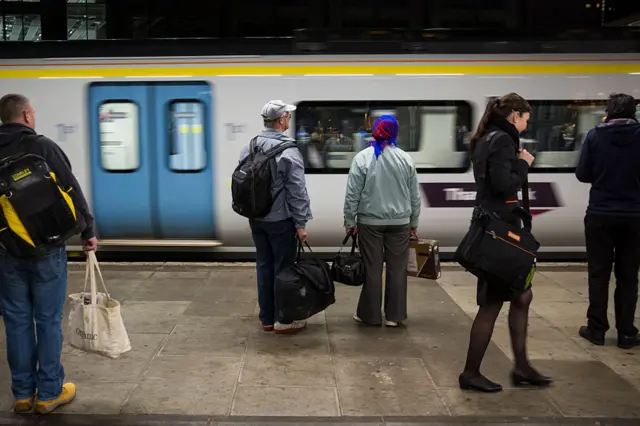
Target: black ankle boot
{"type": "Point", "coordinates": [531, 378]}
{"type": "Point", "coordinates": [478, 383]}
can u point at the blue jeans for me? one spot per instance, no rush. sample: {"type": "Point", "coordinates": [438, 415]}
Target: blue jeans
{"type": "Point", "coordinates": [276, 249]}
{"type": "Point", "coordinates": [34, 289]}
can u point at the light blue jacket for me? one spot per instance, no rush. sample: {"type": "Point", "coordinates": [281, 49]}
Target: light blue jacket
{"type": "Point", "coordinates": [383, 191]}
{"type": "Point", "coordinates": [288, 172]}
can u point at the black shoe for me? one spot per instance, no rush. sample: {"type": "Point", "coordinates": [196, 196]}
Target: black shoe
{"type": "Point", "coordinates": [595, 337]}
{"type": "Point", "coordinates": [531, 379]}
{"type": "Point", "coordinates": [478, 383]}
{"type": "Point", "coordinates": [628, 342]}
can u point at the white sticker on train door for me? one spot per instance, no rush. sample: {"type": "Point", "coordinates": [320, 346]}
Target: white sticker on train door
{"type": "Point", "coordinates": [119, 136]}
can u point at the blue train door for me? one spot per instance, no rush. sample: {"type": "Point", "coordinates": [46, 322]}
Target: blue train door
{"type": "Point", "coordinates": [151, 157]}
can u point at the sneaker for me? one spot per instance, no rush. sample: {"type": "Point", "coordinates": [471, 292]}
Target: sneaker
{"type": "Point", "coordinates": [294, 327]}
{"type": "Point", "coordinates": [391, 323]}
{"type": "Point", "coordinates": [23, 405]}
{"type": "Point", "coordinates": [267, 327]}
{"type": "Point", "coordinates": [68, 394]}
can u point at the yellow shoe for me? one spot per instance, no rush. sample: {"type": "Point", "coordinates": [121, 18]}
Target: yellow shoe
{"type": "Point", "coordinates": [67, 395]}
{"type": "Point", "coordinates": [23, 405]}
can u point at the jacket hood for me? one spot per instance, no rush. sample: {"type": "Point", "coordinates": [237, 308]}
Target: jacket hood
{"type": "Point", "coordinates": [620, 131]}
{"type": "Point", "coordinates": [11, 133]}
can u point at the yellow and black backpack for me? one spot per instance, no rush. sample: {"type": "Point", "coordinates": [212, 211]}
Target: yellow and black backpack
{"type": "Point", "coordinates": [36, 211]}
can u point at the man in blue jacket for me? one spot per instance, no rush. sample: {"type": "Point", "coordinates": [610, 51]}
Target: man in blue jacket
{"type": "Point", "coordinates": [275, 234]}
{"type": "Point", "coordinates": [610, 162]}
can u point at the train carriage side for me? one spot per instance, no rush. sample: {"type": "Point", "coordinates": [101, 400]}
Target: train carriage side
{"type": "Point", "coordinates": [436, 111]}
{"type": "Point", "coordinates": [189, 130]}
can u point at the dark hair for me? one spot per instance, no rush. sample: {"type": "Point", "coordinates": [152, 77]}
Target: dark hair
{"type": "Point", "coordinates": [620, 105]}
{"type": "Point", "coordinates": [11, 106]}
{"type": "Point", "coordinates": [500, 107]}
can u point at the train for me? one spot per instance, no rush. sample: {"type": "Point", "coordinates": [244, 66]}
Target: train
{"type": "Point", "coordinates": [154, 141]}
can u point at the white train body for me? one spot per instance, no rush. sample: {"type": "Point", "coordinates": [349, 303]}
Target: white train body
{"type": "Point", "coordinates": [439, 100]}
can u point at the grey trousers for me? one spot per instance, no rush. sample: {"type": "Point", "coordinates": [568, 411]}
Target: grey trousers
{"type": "Point", "coordinates": [384, 244]}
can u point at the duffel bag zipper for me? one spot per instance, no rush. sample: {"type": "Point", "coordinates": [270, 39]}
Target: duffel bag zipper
{"type": "Point", "coordinates": [493, 234]}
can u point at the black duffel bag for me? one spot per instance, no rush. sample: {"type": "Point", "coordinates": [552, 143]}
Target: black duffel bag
{"type": "Point", "coordinates": [304, 289]}
{"type": "Point", "coordinates": [348, 269]}
{"type": "Point", "coordinates": [497, 251]}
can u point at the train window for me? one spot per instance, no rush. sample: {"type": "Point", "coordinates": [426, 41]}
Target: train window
{"type": "Point", "coordinates": [557, 130]}
{"type": "Point", "coordinates": [434, 133]}
{"type": "Point", "coordinates": [119, 136]}
{"type": "Point", "coordinates": [187, 152]}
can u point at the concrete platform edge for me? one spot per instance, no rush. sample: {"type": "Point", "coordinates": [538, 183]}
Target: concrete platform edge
{"type": "Point", "coordinates": [187, 420]}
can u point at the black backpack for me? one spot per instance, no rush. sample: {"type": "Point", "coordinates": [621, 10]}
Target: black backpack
{"type": "Point", "coordinates": [36, 211]}
{"type": "Point", "coordinates": [251, 181]}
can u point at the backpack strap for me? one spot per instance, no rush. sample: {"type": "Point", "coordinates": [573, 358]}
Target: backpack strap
{"type": "Point", "coordinates": [253, 145]}
{"type": "Point", "coordinates": [270, 153]}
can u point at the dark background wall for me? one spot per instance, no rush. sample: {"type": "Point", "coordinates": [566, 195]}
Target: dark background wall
{"type": "Point", "coordinates": [32, 20]}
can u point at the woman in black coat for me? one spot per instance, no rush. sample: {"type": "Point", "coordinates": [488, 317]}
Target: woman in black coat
{"type": "Point", "coordinates": [506, 168]}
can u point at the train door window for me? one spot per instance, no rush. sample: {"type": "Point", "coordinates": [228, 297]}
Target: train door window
{"type": "Point", "coordinates": [187, 152]}
{"type": "Point", "coordinates": [434, 133]}
{"type": "Point", "coordinates": [119, 136]}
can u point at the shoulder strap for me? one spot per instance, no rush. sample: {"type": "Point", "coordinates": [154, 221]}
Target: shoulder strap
{"type": "Point", "coordinates": [489, 138]}
{"type": "Point", "coordinates": [252, 145]}
{"type": "Point", "coordinates": [525, 186]}
{"type": "Point", "coordinates": [525, 196]}
{"type": "Point", "coordinates": [279, 148]}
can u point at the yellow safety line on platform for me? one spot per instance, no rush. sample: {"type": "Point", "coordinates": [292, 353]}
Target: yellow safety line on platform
{"type": "Point", "coordinates": [316, 70]}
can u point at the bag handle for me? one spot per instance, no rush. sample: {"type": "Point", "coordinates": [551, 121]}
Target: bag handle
{"type": "Point", "coordinates": [92, 267]}
{"type": "Point", "coordinates": [354, 241]}
{"type": "Point", "coordinates": [525, 216]}
{"type": "Point", "coordinates": [301, 248]}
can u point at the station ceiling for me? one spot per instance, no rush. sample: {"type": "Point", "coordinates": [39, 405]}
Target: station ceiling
{"type": "Point", "coordinates": [84, 18]}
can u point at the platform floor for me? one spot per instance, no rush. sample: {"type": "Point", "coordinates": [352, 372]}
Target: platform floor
{"type": "Point", "coordinates": [198, 349]}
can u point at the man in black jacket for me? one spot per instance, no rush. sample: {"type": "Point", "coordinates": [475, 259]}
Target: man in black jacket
{"type": "Point", "coordinates": [610, 162]}
{"type": "Point", "coordinates": [35, 289]}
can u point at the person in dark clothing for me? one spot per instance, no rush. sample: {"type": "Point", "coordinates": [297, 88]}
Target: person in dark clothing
{"type": "Point", "coordinates": [610, 162]}
{"type": "Point", "coordinates": [34, 289]}
{"type": "Point", "coordinates": [497, 191]}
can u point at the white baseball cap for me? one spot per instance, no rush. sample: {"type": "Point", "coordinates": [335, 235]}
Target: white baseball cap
{"type": "Point", "coordinates": [273, 110]}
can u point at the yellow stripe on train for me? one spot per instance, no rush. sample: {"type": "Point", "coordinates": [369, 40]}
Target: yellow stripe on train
{"type": "Point", "coordinates": [316, 70]}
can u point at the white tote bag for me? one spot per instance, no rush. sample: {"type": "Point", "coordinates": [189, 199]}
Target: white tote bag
{"type": "Point", "coordinates": [95, 322]}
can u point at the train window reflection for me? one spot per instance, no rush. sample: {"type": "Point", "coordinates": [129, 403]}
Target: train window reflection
{"type": "Point", "coordinates": [187, 152]}
{"type": "Point", "coordinates": [119, 136]}
{"type": "Point", "coordinates": [557, 130]}
{"type": "Point", "coordinates": [434, 133]}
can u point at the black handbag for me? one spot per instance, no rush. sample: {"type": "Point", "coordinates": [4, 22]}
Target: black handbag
{"type": "Point", "coordinates": [498, 251]}
{"type": "Point", "coordinates": [304, 288]}
{"type": "Point", "coordinates": [348, 269]}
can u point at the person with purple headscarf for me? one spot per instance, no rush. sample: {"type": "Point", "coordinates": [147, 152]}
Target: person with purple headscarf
{"type": "Point", "coordinates": [382, 204]}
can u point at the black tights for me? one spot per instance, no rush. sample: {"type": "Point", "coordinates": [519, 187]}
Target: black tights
{"type": "Point", "coordinates": [482, 330]}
